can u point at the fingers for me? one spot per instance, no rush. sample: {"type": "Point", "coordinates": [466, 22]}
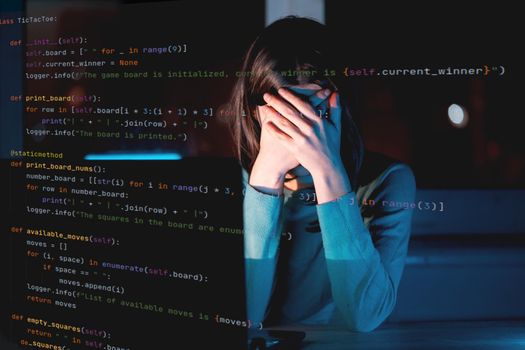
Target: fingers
{"type": "Point", "coordinates": [297, 117]}
{"type": "Point", "coordinates": [302, 106]}
{"type": "Point", "coordinates": [283, 137]}
{"type": "Point", "coordinates": [273, 129]}
{"type": "Point", "coordinates": [288, 111]}
{"type": "Point", "coordinates": [334, 103]}
{"type": "Point", "coordinates": [319, 97]}
{"type": "Point", "coordinates": [275, 119]}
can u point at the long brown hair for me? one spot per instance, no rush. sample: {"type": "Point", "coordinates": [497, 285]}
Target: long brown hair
{"type": "Point", "coordinates": [291, 51]}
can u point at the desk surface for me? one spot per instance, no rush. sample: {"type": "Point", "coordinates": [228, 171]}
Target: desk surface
{"type": "Point", "coordinates": [507, 335]}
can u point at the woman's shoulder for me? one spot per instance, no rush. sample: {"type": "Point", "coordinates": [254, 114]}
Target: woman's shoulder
{"type": "Point", "coordinates": [245, 174]}
{"type": "Point", "coordinates": [378, 169]}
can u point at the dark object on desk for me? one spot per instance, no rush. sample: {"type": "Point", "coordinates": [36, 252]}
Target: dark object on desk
{"type": "Point", "coordinates": [275, 340]}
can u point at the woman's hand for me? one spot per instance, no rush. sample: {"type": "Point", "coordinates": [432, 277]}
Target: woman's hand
{"type": "Point", "coordinates": [313, 140]}
{"type": "Point", "coordinates": [274, 160]}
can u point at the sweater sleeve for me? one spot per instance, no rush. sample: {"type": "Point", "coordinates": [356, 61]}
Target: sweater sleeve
{"type": "Point", "coordinates": [365, 273]}
{"type": "Point", "coordinates": [262, 231]}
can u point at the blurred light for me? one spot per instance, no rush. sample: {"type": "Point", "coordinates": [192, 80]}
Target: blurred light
{"type": "Point", "coordinates": [134, 156]}
{"type": "Point", "coordinates": [77, 91]}
{"type": "Point", "coordinates": [457, 115]}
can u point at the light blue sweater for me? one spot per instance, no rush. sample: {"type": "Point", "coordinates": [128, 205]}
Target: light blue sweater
{"type": "Point", "coordinates": [336, 263]}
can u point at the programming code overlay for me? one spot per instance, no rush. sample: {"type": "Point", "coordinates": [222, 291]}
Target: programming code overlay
{"type": "Point", "coordinates": [107, 254]}
{"type": "Point", "coordinates": [123, 255]}
{"type": "Point", "coordinates": [95, 82]}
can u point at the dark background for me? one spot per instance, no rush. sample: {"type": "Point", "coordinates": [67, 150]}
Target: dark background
{"type": "Point", "coordinates": [465, 263]}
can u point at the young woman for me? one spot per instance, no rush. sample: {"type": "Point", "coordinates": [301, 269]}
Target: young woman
{"type": "Point", "coordinates": [324, 243]}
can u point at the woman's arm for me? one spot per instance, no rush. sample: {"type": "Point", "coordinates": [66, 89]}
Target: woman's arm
{"type": "Point", "coordinates": [364, 278]}
{"type": "Point", "coordinates": [263, 204]}
{"type": "Point", "coordinates": [365, 275]}
{"type": "Point", "coordinates": [262, 231]}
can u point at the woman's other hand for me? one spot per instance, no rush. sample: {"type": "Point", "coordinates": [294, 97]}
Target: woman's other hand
{"type": "Point", "coordinates": [313, 140]}
{"type": "Point", "coordinates": [274, 160]}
